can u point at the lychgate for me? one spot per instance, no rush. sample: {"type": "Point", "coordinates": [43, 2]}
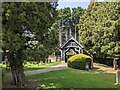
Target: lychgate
{"type": "Point", "coordinates": [70, 48]}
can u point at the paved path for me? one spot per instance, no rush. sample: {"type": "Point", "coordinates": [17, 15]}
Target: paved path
{"type": "Point", "coordinates": [61, 66]}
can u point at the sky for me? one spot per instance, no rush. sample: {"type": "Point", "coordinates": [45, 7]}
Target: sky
{"type": "Point", "coordinates": [73, 3]}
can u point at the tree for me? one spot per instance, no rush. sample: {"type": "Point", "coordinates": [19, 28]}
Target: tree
{"type": "Point", "coordinates": [99, 29]}
{"type": "Point", "coordinates": [68, 20]}
{"type": "Point", "coordinates": [27, 27]}
{"type": "Point", "coordinates": [77, 14]}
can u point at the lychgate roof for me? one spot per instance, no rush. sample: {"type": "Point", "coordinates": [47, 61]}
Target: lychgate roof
{"type": "Point", "coordinates": [72, 38]}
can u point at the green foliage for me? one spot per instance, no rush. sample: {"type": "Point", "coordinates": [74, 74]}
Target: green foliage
{"type": "Point", "coordinates": [27, 32]}
{"type": "Point", "coordinates": [79, 61]}
{"type": "Point", "coordinates": [100, 29]}
{"type": "Point", "coordinates": [64, 22]}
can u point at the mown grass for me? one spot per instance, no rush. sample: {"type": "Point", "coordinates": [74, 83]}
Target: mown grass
{"type": "Point", "coordinates": [33, 66]}
{"type": "Point", "coordinates": [72, 78]}
{"type": "Point", "coordinates": [27, 66]}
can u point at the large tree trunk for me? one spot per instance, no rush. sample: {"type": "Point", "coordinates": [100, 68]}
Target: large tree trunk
{"type": "Point", "coordinates": [18, 75]}
{"type": "Point", "coordinates": [17, 71]}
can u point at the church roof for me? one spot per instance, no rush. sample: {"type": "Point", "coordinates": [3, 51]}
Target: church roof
{"type": "Point", "coordinates": [72, 38]}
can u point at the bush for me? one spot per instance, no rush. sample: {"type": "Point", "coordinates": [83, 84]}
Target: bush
{"type": "Point", "coordinates": [79, 61]}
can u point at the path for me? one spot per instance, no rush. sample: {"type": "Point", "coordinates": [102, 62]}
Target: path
{"type": "Point", "coordinates": [61, 66]}
{"type": "Point", "coordinates": [107, 69]}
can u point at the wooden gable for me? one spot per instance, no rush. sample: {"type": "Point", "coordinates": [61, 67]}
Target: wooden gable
{"type": "Point", "coordinates": [72, 43]}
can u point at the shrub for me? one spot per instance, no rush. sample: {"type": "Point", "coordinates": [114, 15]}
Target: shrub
{"type": "Point", "coordinates": [79, 61]}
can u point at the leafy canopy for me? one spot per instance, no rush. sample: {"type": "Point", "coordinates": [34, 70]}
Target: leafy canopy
{"type": "Point", "coordinates": [100, 29]}
{"type": "Point", "coordinates": [27, 31]}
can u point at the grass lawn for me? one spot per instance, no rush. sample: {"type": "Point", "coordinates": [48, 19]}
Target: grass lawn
{"type": "Point", "coordinates": [72, 78]}
{"type": "Point", "coordinates": [29, 66]}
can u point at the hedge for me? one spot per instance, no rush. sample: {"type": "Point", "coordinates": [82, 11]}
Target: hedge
{"type": "Point", "coordinates": [79, 61]}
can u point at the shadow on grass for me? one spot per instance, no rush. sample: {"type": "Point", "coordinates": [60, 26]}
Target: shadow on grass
{"type": "Point", "coordinates": [72, 78]}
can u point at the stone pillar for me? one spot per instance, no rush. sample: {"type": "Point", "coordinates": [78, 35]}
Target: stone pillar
{"type": "Point", "coordinates": [115, 64]}
{"type": "Point", "coordinates": [87, 66]}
